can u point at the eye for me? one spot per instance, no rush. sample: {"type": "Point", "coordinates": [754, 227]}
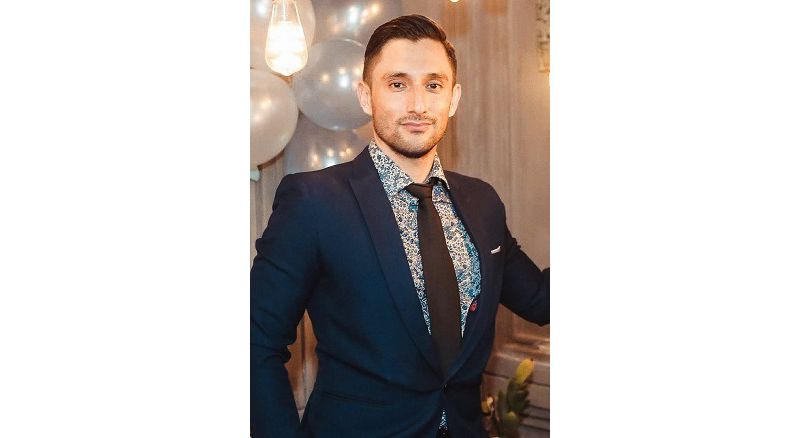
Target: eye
{"type": "Point", "coordinates": [396, 85]}
{"type": "Point", "coordinates": [435, 86]}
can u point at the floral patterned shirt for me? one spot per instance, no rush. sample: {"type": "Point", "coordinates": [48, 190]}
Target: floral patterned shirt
{"type": "Point", "coordinates": [459, 244]}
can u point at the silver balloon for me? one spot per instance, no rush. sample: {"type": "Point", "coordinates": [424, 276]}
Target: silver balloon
{"type": "Point", "coordinates": [313, 147]}
{"type": "Point", "coordinates": [273, 116]}
{"type": "Point", "coordinates": [325, 88]}
{"type": "Point", "coordinates": [353, 19]}
{"type": "Point", "coordinates": [260, 11]}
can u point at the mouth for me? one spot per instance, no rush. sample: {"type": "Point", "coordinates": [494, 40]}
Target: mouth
{"type": "Point", "coordinates": [416, 126]}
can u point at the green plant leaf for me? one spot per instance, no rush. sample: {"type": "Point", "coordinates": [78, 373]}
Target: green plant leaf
{"type": "Point", "coordinates": [517, 402]}
{"type": "Point", "coordinates": [502, 404]}
{"type": "Point", "coordinates": [512, 387]}
{"type": "Point", "coordinates": [510, 422]}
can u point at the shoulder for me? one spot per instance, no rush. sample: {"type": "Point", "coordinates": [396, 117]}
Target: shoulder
{"type": "Point", "coordinates": [475, 186]}
{"type": "Point", "coordinates": [315, 184]}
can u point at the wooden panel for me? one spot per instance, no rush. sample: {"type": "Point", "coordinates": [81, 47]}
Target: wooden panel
{"type": "Point", "coordinates": [529, 119]}
{"type": "Point", "coordinates": [310, 363]}
{"type": "Point", "coordinates": [529, 206]}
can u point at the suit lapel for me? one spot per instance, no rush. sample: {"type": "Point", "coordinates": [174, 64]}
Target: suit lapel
{"type": "Point", "coordinates": [468, 209]}
{"type": "Point", "coordinates": [382, 225]}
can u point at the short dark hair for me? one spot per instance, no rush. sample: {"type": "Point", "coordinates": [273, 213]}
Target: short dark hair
{"type": "Point", "coordinates": [410, 27]}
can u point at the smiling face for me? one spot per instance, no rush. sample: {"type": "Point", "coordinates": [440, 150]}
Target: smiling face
{"type": "Point", "coordinates": [410, 95]}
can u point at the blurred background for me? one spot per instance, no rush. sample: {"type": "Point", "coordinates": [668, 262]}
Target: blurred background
{"type": "Point", "coordinates": [305, 116]}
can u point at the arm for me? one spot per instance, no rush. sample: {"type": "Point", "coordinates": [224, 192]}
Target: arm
{"type": "Point", "coordinates": [526, 289]}
{"type": "Point", "coordinates": [283, 275]}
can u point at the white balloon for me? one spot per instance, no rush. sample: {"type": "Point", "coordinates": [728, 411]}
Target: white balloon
{"type": "Point", "coordinates": [353, 19]}
{"type": "Point", "coordinates": [273, 116]}
{"type": "Point", "coordinates": [313, 147]}
{"type": "Point", "coordinates": [260, 11]}
{"type": "Point", "coordinates": [325, 88]}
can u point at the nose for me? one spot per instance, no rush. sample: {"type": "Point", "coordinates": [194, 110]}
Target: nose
{"type": "Point", "coordinates": [418, 101]}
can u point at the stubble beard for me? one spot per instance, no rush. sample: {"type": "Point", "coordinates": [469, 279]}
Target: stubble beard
{"type": "Point", "coordinates": [389, 133]}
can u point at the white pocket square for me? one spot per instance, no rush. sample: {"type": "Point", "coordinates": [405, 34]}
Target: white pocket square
{"type": "Point", "coordinates": [496, 250]}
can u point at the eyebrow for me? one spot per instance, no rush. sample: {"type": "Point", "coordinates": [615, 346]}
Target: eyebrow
{"type": "Point", "coordinates": [401, 75]}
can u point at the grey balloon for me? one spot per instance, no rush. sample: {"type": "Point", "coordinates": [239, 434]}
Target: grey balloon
{"type": "Point", "coordinates": [313, 147]}
{"type": "Point", "coordinates": [325, 89]}
{"type": "Point", "coordinates": [353, 19]}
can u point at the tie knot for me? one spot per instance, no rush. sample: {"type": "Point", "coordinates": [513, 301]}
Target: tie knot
{"type": "Point", "coordinates": [420, 191]}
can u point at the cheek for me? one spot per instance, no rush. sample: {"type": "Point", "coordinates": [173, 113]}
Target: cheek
{"type": "Point", "coordinates": [387, 106]}
{"type": "Point", "coordinates": [439, 104]}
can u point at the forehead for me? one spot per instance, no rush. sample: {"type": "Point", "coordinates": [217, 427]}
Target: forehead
{"type": "Point", "coordinates": [416, 58]}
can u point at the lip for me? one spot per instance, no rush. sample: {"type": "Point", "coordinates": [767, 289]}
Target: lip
{"type": "Point", "coordinates": [412, 125]}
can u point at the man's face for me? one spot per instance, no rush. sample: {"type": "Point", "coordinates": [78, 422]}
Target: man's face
{"type": "Point", "coordinates": [410, 95]}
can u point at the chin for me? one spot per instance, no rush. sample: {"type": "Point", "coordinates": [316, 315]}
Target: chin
{"type": "Point", "coordinates": [416, 153]}
{"type": "Point", "coordinates": [407, 144]}
{"type": "Point", "coordinates": [413, 147]}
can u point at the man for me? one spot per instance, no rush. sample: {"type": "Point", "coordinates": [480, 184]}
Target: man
{"type": "Point", "coordinates": [401, 266]}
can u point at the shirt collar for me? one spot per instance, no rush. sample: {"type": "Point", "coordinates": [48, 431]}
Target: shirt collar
{"type": "Point", "coordinates": [393, 178]}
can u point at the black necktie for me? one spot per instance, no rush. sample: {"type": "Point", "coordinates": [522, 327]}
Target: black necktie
{"type": "Point", "coordinates": [439, 276]}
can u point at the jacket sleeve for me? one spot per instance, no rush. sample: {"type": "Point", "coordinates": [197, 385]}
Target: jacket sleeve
{"type": "Point", "coordinates": [526, 288]}
{"type": "Point", "coordinates": [284, 273]}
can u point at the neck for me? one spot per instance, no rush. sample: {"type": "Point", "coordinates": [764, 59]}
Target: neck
{"type": "Point", "coordinates": [416, 168]}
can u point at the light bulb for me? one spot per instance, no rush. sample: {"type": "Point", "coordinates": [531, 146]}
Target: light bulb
{"type": "Point", "coordinates": [286, 50]}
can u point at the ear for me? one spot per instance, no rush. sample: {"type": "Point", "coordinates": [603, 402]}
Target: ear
{"type": "Point", "coordinates": [364, 97]}
{"type": "Point", "coordinates": [455, 99]}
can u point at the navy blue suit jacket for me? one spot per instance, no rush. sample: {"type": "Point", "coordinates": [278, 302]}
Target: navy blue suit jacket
{"type": "Point", "coordinates": [332, 246]}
